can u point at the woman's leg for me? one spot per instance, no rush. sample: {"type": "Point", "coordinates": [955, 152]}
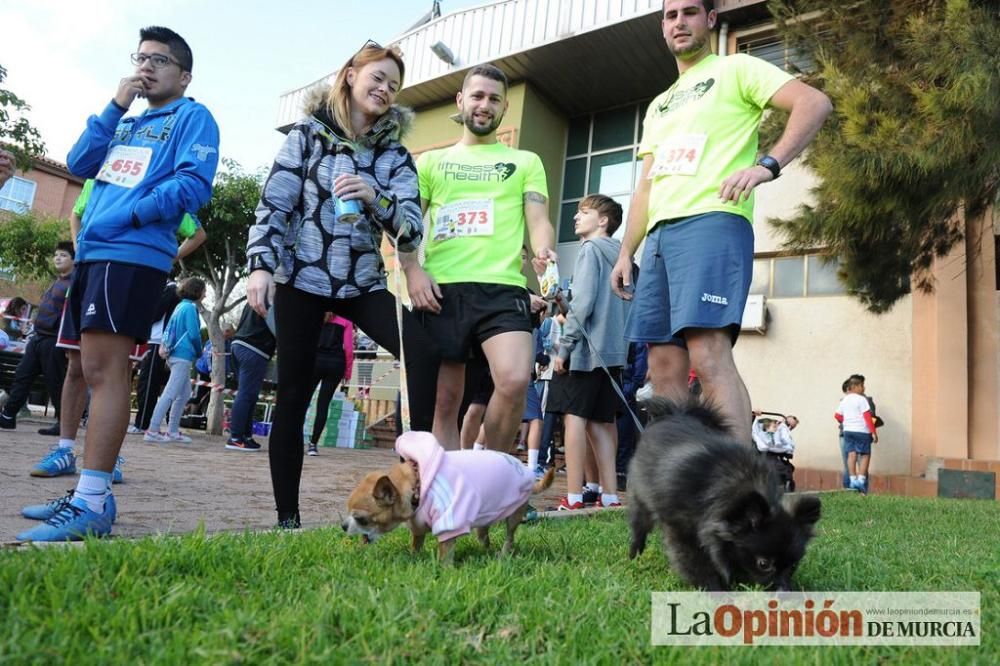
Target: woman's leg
{"type": "Point", "coordinates": [329, 372]}
{"type": "Point", "coordinates": [375, 314]}
{"type": "Point", "coordinates": [298, 319]}
{"type": "Point", "coordinates": [167, 397]}
{"type": "Point", "coordinates": [183, 368]}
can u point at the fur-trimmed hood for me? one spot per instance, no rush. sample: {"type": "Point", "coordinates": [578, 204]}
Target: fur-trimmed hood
{"type": "Point", "coordinates": [393, 126]}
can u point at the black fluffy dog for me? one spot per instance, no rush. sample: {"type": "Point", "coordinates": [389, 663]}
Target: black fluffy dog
{"type": "Point", "coordinates": [717, 501]}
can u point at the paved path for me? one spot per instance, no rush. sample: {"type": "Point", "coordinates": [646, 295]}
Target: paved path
{"type": "Point", "coordinates": [172, 488]}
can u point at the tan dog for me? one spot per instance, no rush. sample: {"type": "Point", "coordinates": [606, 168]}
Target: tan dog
{"type": "Point", "coordinates": [446, 493]}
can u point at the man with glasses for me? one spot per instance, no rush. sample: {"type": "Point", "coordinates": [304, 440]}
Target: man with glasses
{"type": "Point", "coordinates": [150, 169]}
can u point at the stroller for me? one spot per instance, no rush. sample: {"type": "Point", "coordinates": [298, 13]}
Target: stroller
{"type": "Point", "coordinates": [773, 439]}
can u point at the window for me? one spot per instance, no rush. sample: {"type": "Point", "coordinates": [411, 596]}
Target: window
{"type": "Point", "coordinates": [17, 195]}
{"type": "Point", "coordinates": [795, 277]}
{"type": "Point", "coordinates": [600, 158]}
{"type": "Point", "coordinates": [772, 48]}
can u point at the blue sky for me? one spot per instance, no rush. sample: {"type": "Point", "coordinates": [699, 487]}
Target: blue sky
{"type": "Point", "coordinates": [65, 58]}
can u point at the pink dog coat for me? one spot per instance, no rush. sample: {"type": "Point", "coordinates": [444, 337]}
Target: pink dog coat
{"type": "Point", "coordinates": [460, 490]}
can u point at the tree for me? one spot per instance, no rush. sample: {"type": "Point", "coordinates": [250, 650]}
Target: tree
{"type": "Point", "coordinates": [221, 262]}
{"type": "Point", "coordinates": [28, 241]}
{"type": "Point", "coordinates": [16, 132]}
{"type": "Point", "coordinates": [913, 146]}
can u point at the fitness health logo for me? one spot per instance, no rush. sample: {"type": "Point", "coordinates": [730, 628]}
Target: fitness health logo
{"type": "Point", "coordinates": [816, 618]}
{"type": "Point", "coordinates": [679, 98]}
{"type": "Point", "coordinates": [489, 173]}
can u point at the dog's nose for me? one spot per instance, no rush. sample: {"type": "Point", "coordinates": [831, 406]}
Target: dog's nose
{"type": "Point", "coordinates": [343, 525]}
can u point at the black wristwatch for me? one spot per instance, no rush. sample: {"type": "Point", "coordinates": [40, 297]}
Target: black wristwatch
{"type": "Point", "coordinates": [256, 263]}
{"type": "Point", "coordinates": [771, 165]}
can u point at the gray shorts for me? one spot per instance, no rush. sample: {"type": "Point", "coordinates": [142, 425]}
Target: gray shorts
{"type": "Point", "coordinates": [695, 274]}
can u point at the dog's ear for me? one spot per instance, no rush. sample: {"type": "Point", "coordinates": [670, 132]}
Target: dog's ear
{"type": "Point", "coordinates": [385, 493]}
{"type": "Point", "coordinates": [806, 510]}
{"type": "Point", "coordinates": [749, 512]}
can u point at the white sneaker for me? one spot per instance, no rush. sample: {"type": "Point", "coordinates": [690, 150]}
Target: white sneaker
{"type": "Point", "coordinates": [151, 436]}
{"type": "Point", "coordinates": [177, 437]}
{"type": "Point", "coordinates": [132, 430]}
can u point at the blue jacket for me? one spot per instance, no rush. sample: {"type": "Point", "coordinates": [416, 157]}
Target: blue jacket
{"type": "Point", "coordinates": [138, 225]}
{"type": "Point", "coordinates": [183, 334]}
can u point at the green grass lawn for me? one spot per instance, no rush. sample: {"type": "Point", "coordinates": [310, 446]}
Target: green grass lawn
{"type": "Point", "coordinates": [568, 595]}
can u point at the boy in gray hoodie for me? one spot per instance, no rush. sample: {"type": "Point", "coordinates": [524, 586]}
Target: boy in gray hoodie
{"type": "Point", "coordinates": [581, 390]}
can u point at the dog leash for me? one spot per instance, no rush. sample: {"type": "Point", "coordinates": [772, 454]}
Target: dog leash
{"type": "Point", "coordinates": [404, 392]}
{"type": "Point", "coordinates": [600, 360]}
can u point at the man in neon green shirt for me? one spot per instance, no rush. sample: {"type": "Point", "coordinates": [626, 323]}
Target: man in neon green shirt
{"type": "Point", "coordinates": [695, 202]}
{"type": "Point", "coordinates": [480, 196]}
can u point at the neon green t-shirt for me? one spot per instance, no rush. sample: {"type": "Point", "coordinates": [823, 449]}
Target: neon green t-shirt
{"type": "Point", "coordinates": [701, 130]}
{"type": "Point", "coordinates": [476, 211]}
{"type": "Point", "coordinates": [189, 225]}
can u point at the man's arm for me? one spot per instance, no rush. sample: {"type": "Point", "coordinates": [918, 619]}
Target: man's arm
{"type": "Point", "coordinates": [74, 229]}
{"type": "Point", "coordinates": [540, 231]}
{"type": "Point", "coordinates": [807, 109]}
{"type": "Point", "coordinates": [190, 243]}
{"type": "Point", "coordinates": [425, 294]}
{"type": "Point", "coordinates": [635, 231]}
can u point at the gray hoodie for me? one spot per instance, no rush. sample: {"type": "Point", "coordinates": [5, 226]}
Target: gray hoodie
{"type": "Point", "coordinates": [596, 308]}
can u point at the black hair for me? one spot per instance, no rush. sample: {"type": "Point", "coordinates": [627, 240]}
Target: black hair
{"type": "Point", "coordinates": [490, 72]}
{"type": "Point", "coordinates": [67, 247]}
{"type": "Point", "coordinates": [179, 49]}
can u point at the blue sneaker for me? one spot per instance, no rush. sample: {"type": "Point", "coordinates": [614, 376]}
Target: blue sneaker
{"type": "Point", "coordinates": [49, 509]}
{"type": "Point", "coordinates": [56, 463]}
{"type": "Point", "coordinates": [73, 522]}
{"type": "Point", "coordinates": [116, 473]}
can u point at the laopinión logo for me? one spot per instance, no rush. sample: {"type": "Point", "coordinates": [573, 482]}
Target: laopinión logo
{"type": "Point", "coordinates": [816, 618]}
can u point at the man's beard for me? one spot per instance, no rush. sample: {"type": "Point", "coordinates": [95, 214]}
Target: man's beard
{"type": "Point", "coordinates": [479, 130]}
{"type": "Point", "coordinates": [693, 48]}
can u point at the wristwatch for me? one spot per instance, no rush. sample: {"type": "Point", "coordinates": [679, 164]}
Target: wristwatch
{"type": "Point", "coordinates": [771, 165]}
{"type": "Point", "coordinates": [256, 262]}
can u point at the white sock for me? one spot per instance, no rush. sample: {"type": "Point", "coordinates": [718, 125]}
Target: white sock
{"type": "Point", "coordinates": [532, 458]}
{"type": "Point", "coordinates": [593, 487]}
{"type": "Point", "coordinates": [66, 443]}
{"type": "Point", "coordinates": [93, 488]}
{"type": "Point", "coordinates": [573, 499]}
{"type": "Point", "coordinates": [854, 479]}
{"type": "Point", "coordinates": [608, 499]}
{"type": "Point", "coordinates": [476, 446]}
{"type": "Point", "coordinates": [862, 478]}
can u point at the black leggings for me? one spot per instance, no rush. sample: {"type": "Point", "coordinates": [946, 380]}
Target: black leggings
{"type": "Point", "coordinates": [299, 317]}
{"type": "Point", "coordinates": [328, 373]}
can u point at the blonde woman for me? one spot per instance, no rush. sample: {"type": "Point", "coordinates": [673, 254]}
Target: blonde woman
{"type": "Point", "coordinates": [308, 258]}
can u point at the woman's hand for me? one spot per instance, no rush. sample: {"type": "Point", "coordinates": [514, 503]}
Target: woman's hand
{"type": "Point", "coordinates": [260, 291]}
{"type": "Point", "coordinates": [352, 186]}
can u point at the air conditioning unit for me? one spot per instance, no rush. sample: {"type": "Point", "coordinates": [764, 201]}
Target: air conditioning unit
{"type": "Point", "coordinates": [755, 314]}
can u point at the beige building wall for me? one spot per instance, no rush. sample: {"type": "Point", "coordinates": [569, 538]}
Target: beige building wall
{"type": "Point", "coordinates": [813, 344]}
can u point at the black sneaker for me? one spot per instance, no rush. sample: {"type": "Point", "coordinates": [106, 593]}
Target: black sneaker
{"type": "Point", "coordinates": [590, 496]}
{"type": "Point", "coordinates": [288, 521]}
{"type": "Point", "coordinates": [234, 444]}
{"type": "Point", "coordinates": [7, 422]}
{"type": "Point", "coordinates": [312, 451]}
{"type": "Point", "coordinates": [52, 430]}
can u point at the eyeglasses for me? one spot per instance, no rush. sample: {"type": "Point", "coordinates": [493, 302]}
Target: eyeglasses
{"type": "Point", "coordinates": [157, 60]}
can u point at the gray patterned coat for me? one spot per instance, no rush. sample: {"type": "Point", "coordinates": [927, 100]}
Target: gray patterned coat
{"type": "Point", "coordinates": [296, 234]}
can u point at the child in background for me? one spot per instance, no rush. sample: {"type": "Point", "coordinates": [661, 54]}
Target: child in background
{"type": "Point", "coordinates": [859, 432]}
{"type": "Point", "coordinates": [181, 346]}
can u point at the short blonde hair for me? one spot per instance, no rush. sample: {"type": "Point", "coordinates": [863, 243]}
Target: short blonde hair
{"type": "Point", "coordinates": [338, 100]}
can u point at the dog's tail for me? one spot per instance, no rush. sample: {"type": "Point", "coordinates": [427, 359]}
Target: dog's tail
{"type": "Point", "coordinates": [545, 481]}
